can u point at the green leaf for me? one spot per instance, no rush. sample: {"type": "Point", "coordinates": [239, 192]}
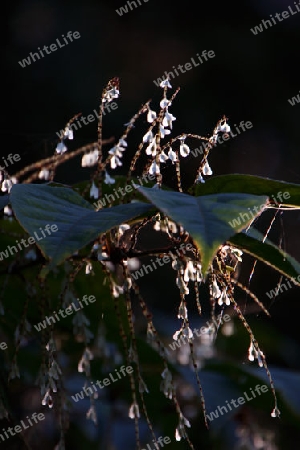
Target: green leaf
{"type": "Point", "coordinates": [78, 224]}
{"type": "Point", "coordinates": [252, 243]}
{"type": "Point", "coordinates": [205, 218]}
{"type": "Point", "coordinates": [3, 201]}
{"type": "Point", "coordinates": [250, 184]}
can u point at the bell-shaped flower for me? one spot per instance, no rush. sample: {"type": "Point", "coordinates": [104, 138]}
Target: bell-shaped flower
{"type": "Point", "coordinates": [168, 119]}
{"type": "Point", "coordinates": [115, 162]}
{"type": "Point", "coordinates": [122, 143]}
{"type": "Point", "coordinates": [165, 83]}
{"type": "Point", "coordinates": [200, 179]}
{"type": "Point", "coordinates": [151, 115]}
{"type": "Point", "coordinates": [215, 290]}
{"type": "Point", "coordinates": [163, 131]}
{"type": "Point", "coordinates": [172, 155]}
{"type": "Point", "coordinates": [164, 103]}
{"type": "Point", "coordinates": [94, 191]}
{"type": "Point", "coordinates": [154, 169]}
{"type": "Point", "coordinates": [148, 137]}
{"type": "Point", "coordinates": [90, 159]}
{"type": "Point", "coordinates": [110, 95]}
{"type": "Point", "coordinates": [68, 133]}
{"type": "Point", "coordinates": [224, 128]}
{"type": "Point", "coordinates": [44, 174]}
{"type": "Point", "coordinates": [184, 149]}
{"type": "Point", "coordinates": [151, 149]}
{"type": "Point", "coordinates": [108, 179]}
{"type": "Point", "coordinates": [163, 157]}
{"type": "Point", "coordinates": [60, 148]}
{"type": "Point", "coordinates": [206, 169]}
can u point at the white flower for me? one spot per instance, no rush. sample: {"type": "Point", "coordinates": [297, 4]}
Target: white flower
{"type": "Point", "coordinates": [187, 332]}
{"type": "Point", "coordinates": [238, 253]}
{"type": "Point", "coordinates": [134, 411]}
{"type": "Point", "coordinates": [94, 191]}
{"type": "Point", "coordinates": [68, 133]}
{"type": "Point", "coordinates": [215, 290]}
{"type": "Point", "coordinates": [163, 131]}
{"type": "Point", "coordinates": [44, 174]}
{"type": "Point", "coordinates": [148, 137]}
{"type": "Point", "coordinates": [154, 169]}
{"type": "Point", "coordinates": [172, 155]}
{"type": "Point", "coordinates": [108, 179]}
{"type": "Point", "coordinates": [163, 157]}
{"type": "Point", "coordinates": [7, 211]}
{"type": "Point", "coordinates": [253, 354]}
{"type": "Point", "coordinates": [168, 119]}
{"type": "Point", "coordinates": [133, 263]}
{"type": "Point", "coordinates": [90, 159]}
{"type": "Point", "coordinates": [224, 299]}
{"type": "Point", "coordinates": [182, 312]}
{"type": "Point", "coordinates": [88, 268]}
{"type": "Point", "coordinates": [123, 227]}
{"type": "Point", "coordinates": [184, 149]}
{"type": "Point", "coordinates": [6, 185]}
{"type": "Point", "coordinates": [176, 335]}
{"type": "Point", "coordinates": [122, 143]}
{"type": "Point", "coordinates": [116, 151]}
{"type": "Point", "coordinates": [151, 149]}
{"type": "Point", "coordinates": [177, 435]}
{"type": "Point", "coordinates": [61, 148]}
{"type": "Point", "coordinates": [225, 128]}
{"type": "Point", "coordinates": [275, 412]}
{"type": "Point", "coordinates": [31, 254]}
{"type": "Point", "coordinates": [189, 271]}
{"type": "Point", "coordinates": [206, 169]}
{"type": "Point", "coordinates": [165, 83]}
{"type": "Point", "coordinates": [200, 179]}
{"type": "Point", "coordinates": [114, 162]}
{"type": "Point", "coordinates": [110, 95]}
{"type": "Point", "coordinates": [164, 103]}
{"type": "Point", "coordinates": [151, 115]}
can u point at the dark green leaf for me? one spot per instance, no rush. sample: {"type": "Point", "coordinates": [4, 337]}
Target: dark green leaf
{"type": "Point", "coordinates": [205, 218]}
{"type": "Point", "coordinates": [250, 184]}
{"type": "Point", "coordinates": [78, 224]}
{"type": "Point", "coordinates": [252, 243]}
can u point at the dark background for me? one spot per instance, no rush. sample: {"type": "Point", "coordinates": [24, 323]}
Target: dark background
{"type": "Point", "coordinates": [251, 78]}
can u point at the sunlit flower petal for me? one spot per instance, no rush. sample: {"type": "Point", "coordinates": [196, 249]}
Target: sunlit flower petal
{"type": "Point", "coordinates": [108, 179]}
{"type": "Point", "coordinates": [165, 83]}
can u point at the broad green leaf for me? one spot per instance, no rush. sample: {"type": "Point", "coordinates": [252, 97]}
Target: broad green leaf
{"type": "Point", "coordinates": [3, 201]}
{"type": "Point", "coordinates": [206, 218]}
{"type": "Point", "coordinates": [252, 243]}
{"type": "Point", "coordinates": [78, 223]}
{"type": "Point", "coordinates": [250, 184]}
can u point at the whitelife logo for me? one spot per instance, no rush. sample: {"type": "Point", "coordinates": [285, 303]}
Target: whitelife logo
{"type": "Point", "coordinates": [240, 401]}
{"type": "Point", "coordinates": [105, 381]}
{"type": "Point", "coordinates": [18, 428]}
{"type": "Point", "coordinates": [53, 48]}
{"type": "Point", "coordinates": [68, 311]}
{"type": "Point", "coordinates": [224, 137]}
{"type": "Point", "coordinates": [124, 9]}
{"type": "Point", "coordinates": [267, 23]}
{"type": "Point", "coordinates": [11, 158]}
{"type": "Point", "coordinates": [292, 101]}
{"type": "Point", "coordinates": [238, 221]}
{"type": "Point", "coordinates": [31, 240]}
{"type": "Point", "coordinates": [187, 66]}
